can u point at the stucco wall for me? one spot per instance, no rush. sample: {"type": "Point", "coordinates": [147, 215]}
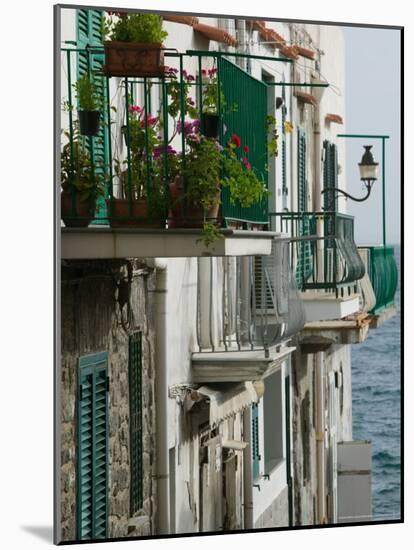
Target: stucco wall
{"type": "Point", "coordinates": [277, 514]}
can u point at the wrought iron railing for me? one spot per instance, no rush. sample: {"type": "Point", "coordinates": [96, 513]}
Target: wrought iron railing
{"type": "Point", "coordinates": [129, 166]}
{"type": "Point", "coordinates": [323, 253]}
{"type": "Point", "coordinates": [247, 303]}
{"type": "Point", "coordinates": [383, 273]}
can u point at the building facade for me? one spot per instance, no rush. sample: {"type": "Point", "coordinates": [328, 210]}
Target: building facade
{"type": "Point", "coordinates": [207, 387]}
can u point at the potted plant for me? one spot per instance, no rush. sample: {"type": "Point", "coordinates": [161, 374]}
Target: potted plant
{"type": "Point", "coordinates": [139, 205]}
{"type": "Point", "coordinates": [81, 185]}
{"type": "Point", "coordinates": [210, 117]}
{"type": "Point", "coordinates": [134, 47]}
{"type": "Point", "coordinates": [88, 106]}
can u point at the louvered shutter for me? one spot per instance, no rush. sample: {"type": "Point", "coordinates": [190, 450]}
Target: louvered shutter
{"type": "Point", "coordinates": [92, 470]}
{"type": "Point", "coordinates": [255, 441]}
{"type": "Point", "coordinates": [284, 152]}
{"type": "Point", "coordinates": [135, 421]}
{"type": "Point", "coordinates": [304, 259]}
{"type": "Point", "coordinates": [330, 179]}
{"type": "Point", "coordinates": [271, 280]}
{"type": "Point", "coordinates": [89, 34]}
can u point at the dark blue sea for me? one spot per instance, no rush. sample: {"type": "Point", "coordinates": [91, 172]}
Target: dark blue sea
{"type": "Point", "coordinates": [376, 387]}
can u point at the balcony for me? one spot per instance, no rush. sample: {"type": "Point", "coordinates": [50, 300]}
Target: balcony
{"type": "Point", "coordinates": [383, 274]}
{"type": "Point", "coordinates": [248, 310]}
{"type": "Point", "coordinates": [163, 169]}
{"type": "Point", "coordinates": [328, 270]}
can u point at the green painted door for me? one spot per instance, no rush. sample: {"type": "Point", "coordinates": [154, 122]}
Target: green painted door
{"type": "Point", "coordinates": [244, 114]}
{"type": "Point", "coordinates": [92, 448]}
{"type": "Point", "coordinates": [330, 180]}
{"type": "Point", "coordinates": [89, 35]}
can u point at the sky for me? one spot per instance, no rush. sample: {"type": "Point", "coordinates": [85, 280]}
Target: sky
{"type": "Point", "coordinates": [372, 64]}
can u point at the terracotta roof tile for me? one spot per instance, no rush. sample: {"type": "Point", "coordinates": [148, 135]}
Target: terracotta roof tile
{"type": "Point", "coordinates": [184, 19]}
{"type": "Point", "coordinates": [305, 52]}
{"type": "Point", "coordinates": [330, 117]}
{"type": "Point", "coordinates": [289, 51]}
{"type": "Point", "coordinates": [305, 97]}
{"type": "Point", "coordinates": [214, 33]}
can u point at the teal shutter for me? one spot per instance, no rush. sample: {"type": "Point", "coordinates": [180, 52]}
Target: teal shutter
{"type": "Point", "coordinates": [330, 179]}
{"type": "Point", "coordinates": [304, 260]}
{"type": "Point", "coordinates": [92, 467]}
{"type": "Point", "coordinates": [255, 441]}
{"type": "Point", "coordinates": [135, 421]}
{"type": "Point", "coordinates": [89, 34]}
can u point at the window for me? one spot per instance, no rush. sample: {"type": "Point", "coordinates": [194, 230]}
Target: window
{"type": "Point", "coordinates": [92, 448]}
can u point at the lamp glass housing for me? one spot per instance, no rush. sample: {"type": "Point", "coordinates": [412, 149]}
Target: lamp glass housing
{"type": "Point", "coordinates": [368, 171]}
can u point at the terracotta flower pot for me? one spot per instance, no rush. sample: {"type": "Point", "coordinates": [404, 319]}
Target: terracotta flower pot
{"type": "Point", "coordinates": [89, 122]}
{"type": "Point", "coordinates": [119, 216]}
{"type": "Point", "coordinates": [133, 59]}
{"type": "Point", "coordinates": [81, 215]}
{"type": "Point", "coordinates": [193, 216]}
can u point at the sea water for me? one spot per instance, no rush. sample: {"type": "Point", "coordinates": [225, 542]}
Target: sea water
{"type": "Point", "coordinates": [376, 392]}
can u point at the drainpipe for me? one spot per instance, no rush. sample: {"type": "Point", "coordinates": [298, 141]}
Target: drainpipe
{"type": "Point", "coordinates": [247, 470]}
{"type": "Point", "coordinates": [320, 436]}
{"type": "Point", "coordinates": [161, 399]}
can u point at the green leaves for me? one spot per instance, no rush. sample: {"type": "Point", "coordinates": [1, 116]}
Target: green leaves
{"type": "Point", "coordinates": [144, 28]}
{"type": "Point", "coordinates": [88, 95]}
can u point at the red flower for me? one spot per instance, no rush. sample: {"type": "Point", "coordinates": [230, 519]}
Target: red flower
{"type": "Point", "coordinates": [245, 149]}
{"type": "Point", "coordinates": [235, 139]}
{"type": "Point", "coordinates": [248, 165]}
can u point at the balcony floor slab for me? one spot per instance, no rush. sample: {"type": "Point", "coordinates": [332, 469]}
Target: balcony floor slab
{"type": "Point", "coordinates": [107, 243]}
{"type": "Point", "coordinates": [317, 336]}
{"type": "Point", "coordinates": [323, 306]}
{"type": "Point", "coordinates": [380, 318]}
{"type": "Point", "coordinates": [237, 366]}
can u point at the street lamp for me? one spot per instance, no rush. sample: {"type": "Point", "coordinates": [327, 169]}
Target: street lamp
{"type": "Point", "coordinates": [368, 170]}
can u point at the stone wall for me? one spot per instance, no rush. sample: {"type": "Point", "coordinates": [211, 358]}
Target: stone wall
{"type": "Point", "coordinates": [102, 302]}
{"type": "Point", "coordinates": [277, 514]}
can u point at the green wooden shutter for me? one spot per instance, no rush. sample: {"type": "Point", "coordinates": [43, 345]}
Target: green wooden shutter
{"type": "Point", "coordinates": [245, 112]}
{"type": "Point", "coordinates": [255, 441]}
{"type": "Point", "coordinates": [304, 260]}
{"type": "Point", "coordinates": [92, 467]}
{"type": "Point", "coordinates": [89, 34]}
{"type": "Point", "coordinates": [330, 179]}
{"type": "Point", "coordinates": [135, 421]}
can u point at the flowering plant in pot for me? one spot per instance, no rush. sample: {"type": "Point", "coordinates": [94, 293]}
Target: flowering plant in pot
{"type": "Point", "coordinates": [88, 106]}
{"type": "Point", "coordinates": [142, 198]}
{"type": "Point", "coordinates": [245, 186]}
{"type": "Point", "coordinates": [134, 44]}
{"type": "Point", "coordinates": [210, 95]}
{"type": "Point", "coordinates": [81, 184]}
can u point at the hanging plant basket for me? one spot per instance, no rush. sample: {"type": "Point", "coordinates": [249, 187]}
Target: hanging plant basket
{"type": "Point", "coordinates": [89, 122]}
{"type": "Point", "coordinates": [79, 214]}
{"type": "Point", "coordinates": [210, 124]}
{"type": "Point", "coordinates": [119, 214]}
{"type": "Point", "coordinates": [133, 59]}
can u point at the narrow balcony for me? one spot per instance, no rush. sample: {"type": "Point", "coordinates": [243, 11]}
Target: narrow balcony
{"type": "Point", "coordinates": [173, 165]}
{"type": "Point", "coordinates": [248, 310]}
{"type": "Point", "coordinates": [328, 270]}
{"type": "Point", "coordinates": [383, 273]}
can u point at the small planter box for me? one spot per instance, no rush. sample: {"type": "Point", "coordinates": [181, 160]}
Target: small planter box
{"type": "Point", "coordinates": [119, 216]}
{"type": "Point", "coordinates": [133, 59]}
{"type": "Point", "coordinates": [210, 125]}
{"type": "Point", "coordinates": [191, 217]}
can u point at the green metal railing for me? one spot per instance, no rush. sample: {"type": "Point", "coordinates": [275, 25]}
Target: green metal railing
{"type": "Point", "coordinates": [383, 273]}
{"type": "Point", "coordinates": [246, 95]}
{"type": "Point", "coordinates": [323, 253]}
